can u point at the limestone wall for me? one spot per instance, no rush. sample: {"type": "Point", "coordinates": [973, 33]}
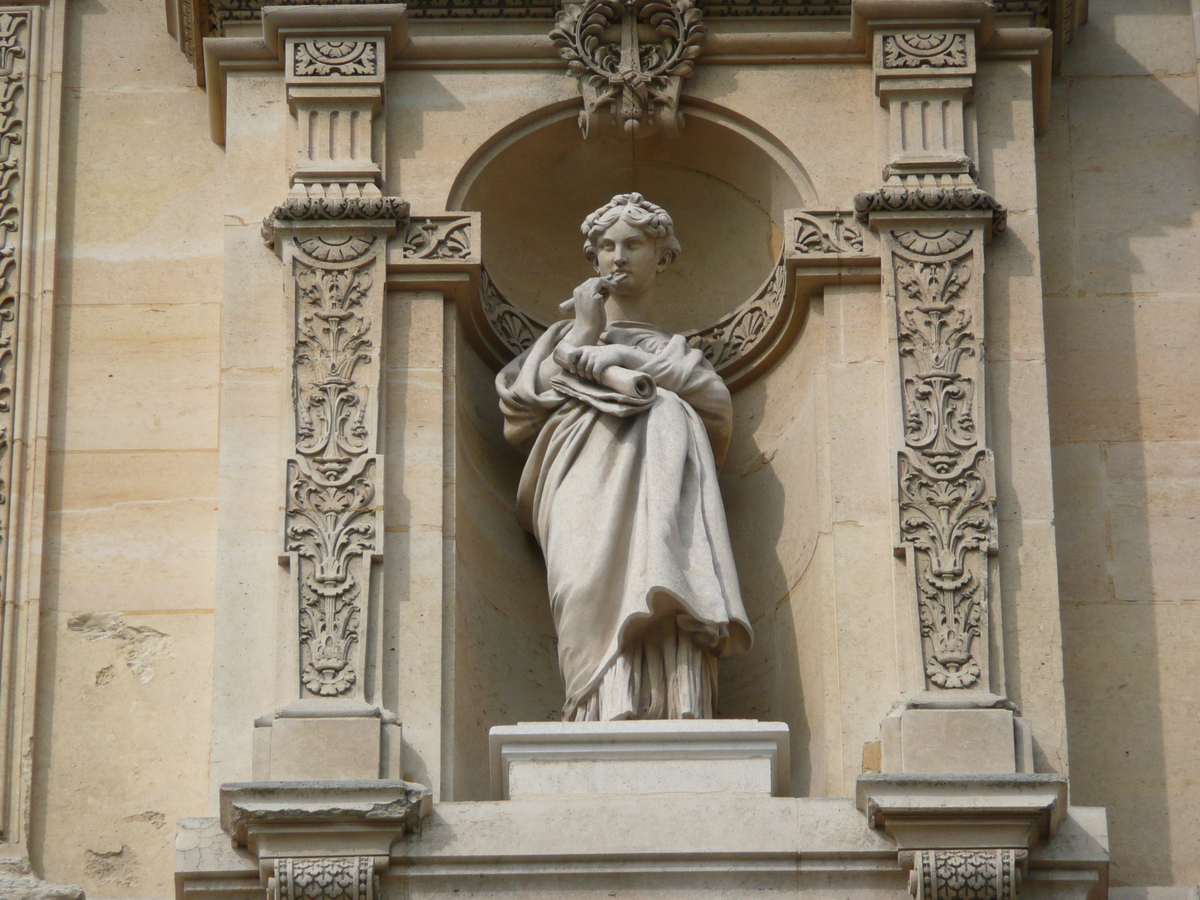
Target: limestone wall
{"type": "Point", "coordinates": [155, 346]}
{"type": "Point", "coordinates": [1118, 187]}
{"type": "Point", "coordinates": [126, 657]}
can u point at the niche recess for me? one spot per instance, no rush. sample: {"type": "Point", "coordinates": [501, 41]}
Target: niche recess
{"type": "Point", "coordinates": [726, 185]}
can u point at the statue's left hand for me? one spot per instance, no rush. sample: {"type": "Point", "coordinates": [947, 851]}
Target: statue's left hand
{"type": "Point", "coordinates": [592, 360]}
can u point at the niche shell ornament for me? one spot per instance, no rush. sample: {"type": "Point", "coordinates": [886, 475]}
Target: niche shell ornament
{"type": "Point", "coordinates": [638, 82]}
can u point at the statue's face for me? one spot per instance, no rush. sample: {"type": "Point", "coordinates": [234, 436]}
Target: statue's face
{"type": "Point", "coordinates": [626, 250]}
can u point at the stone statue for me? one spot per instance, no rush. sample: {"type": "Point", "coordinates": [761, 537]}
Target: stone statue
{"type": "Point", "coordinates": [625, 426]}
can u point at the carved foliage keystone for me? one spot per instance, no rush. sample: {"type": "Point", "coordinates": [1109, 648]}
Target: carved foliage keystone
{"type": "Point", "coordinates": [638, 83]}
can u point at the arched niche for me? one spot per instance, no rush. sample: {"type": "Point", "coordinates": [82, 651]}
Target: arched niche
{"type": "Point", "coordinates": [725, 181]}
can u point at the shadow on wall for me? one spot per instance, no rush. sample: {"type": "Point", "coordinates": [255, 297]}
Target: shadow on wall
{"type": "Point", "coordinates": [1119, 183]}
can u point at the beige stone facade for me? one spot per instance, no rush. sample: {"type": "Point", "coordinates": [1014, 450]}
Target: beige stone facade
{"type": "Point", "coordinates": [157, 683]}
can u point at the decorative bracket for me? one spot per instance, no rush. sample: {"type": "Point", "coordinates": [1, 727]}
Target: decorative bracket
{"type": "Point", "coordinates": [964, 837]}
{"type": "Point", "coordinates": [638, 82]}
{"type": "Point", "coordinates": [329, 841]}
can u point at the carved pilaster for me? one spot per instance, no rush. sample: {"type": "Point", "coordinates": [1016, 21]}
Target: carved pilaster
{"type": "Point", "coordinates": [933, 221]}
{"type": "Point", "coordinates": [332, 233]}
{"type": "Point", "coordinates": [31, 48]}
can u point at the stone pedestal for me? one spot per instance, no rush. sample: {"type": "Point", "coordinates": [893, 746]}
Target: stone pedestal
{"type": "Point", "coordinates": [581, 759]}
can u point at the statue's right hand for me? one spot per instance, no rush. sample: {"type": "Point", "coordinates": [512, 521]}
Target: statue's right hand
{"type": "Point", "coordinates": [588, 300]}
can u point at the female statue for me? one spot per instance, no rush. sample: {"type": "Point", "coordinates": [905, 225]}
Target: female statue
{"type": "Point", "coordinates": [625, 426]}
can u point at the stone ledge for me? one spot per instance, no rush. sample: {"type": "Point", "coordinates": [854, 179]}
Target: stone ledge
{"type": "Point", "coordinates": [964, 811]}
{"type": "Point", "coordinates": [284, 818]}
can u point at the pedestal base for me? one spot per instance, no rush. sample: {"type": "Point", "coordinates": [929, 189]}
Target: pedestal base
{"type": "Point", "coordinates": [689, 756]}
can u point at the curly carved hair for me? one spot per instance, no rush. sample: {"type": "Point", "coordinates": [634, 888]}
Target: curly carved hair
{"type": "Point", "coordinates": [638, 212]}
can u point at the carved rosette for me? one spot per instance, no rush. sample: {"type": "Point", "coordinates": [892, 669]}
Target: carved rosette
{"type": "Point", "coordinates": [324, 878]}
{"type": "Point", "coordinates": [944, 471]}
{"type": "Point", "coordinates": [966, 874]}
{"type": "Point", "coordinates": [925, 50]}
{"type": "Point", "coordinates": [638, 83]}
{"type": "Point", "coordinates": [333, 57]}
{"type": "Point", "coordinates": [335, 257]}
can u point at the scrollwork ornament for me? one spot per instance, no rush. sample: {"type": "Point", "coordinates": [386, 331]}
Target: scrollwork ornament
{"type": "Point", "coordinates": [638, 83]}
{"type": "Point", "coordinates": [826, 234]}
{"type": "Point", "coordinates": [438, 239]}
{"type": "Point", "coordinates": [331, 479]}
{"type": "Point", "coordinates": [946, 507]}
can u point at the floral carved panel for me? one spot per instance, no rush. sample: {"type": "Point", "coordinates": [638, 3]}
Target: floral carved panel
{"type": "Point", "coordinates": [332, 529]}
{"type": "Point", "coordinates": [944, 471]}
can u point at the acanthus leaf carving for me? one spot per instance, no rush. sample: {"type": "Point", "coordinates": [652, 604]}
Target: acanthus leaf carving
{"type": "Point", "coordinates": [331, 480]}
{"type": "Point", "coordinates": [330, 57]}
{"type": "Point", "coordinates": [441, 238]}
{"type": "Point", "coordinates": [946, 504]}
{"type": "Point", "coordinates": [825, 234]}
{"type": "Point", "coordinates": [930, 199]}
{"type": "Point", "coordinates": [637, 82]}
{"type": "Point", "coordinates": [14, 97]}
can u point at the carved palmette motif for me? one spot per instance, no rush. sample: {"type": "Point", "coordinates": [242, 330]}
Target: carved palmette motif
{"type": "Point", "coordinates": [324, 878]}
{"type": "Point", "coordinates": [944, 471]}
{"type": "Point", "coordinates": [753, 323]}
{"type": "Point", "coordinates": [332, 478]}
{"type": "Point", "coordinates": [966, 874]}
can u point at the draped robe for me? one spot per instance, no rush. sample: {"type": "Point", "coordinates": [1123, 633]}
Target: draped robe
{"type": "Point", "coordinates": [622, 496]}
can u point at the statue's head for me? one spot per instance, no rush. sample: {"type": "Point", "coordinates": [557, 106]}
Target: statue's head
{"type": "Point", "coordinates": [630, 235]}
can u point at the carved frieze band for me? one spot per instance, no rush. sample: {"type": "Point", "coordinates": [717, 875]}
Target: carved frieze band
{"type": "Point", "coordinates": [944, 470]}
{"type": "Point", "coordinates": [966, 874]}
{"type": "Point", "coordinates": [637, 83]}
{"type": "Point", "coordinates": [324, 878]}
